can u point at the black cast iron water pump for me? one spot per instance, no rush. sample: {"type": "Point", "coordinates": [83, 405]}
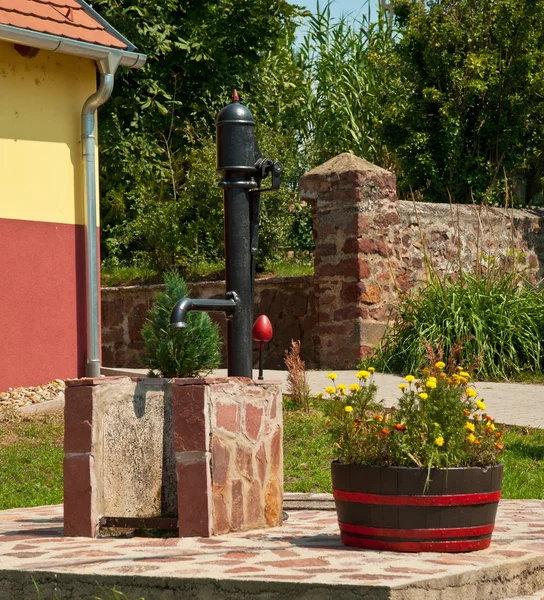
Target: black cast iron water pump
{"type": "Point", "coordinates": [243, 169]}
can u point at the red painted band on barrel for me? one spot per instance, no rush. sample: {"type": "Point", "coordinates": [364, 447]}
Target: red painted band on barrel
{"type": "Point", "coordinates": [452, 532]}
{"type": "Point", "coordinates": [444, 546]}
{"type": "Point", "coordinates": [446, 500]}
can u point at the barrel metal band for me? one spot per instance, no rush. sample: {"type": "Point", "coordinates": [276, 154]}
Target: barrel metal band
{"type": "Point", "coordinates": [441, 546]}
{"type": "Point", "coordinates": [429, 534]}
{"type": "Point", "coordinates": [445, 500]}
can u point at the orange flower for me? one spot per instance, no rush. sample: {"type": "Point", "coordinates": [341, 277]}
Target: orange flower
{"type": "Point", "coordinates": [488, 418]}
{"type": "Point", "coordinates": [400, 427]}
{"type": "Point", "coordinates": [385, 431]}
{"type": "Point", "coordinates": [378, 418]}
{"type": "Point", "coordinates": [466, 412]}
{"type": "Point", "coordinates": [498, 435]}
{"type": "Point", "coordinates": [477, 442]}
{"type": "Point", "coordinates": [499, 446]}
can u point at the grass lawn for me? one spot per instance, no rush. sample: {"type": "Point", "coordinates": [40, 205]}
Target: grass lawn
{"type": "Point", "coordinates": [142, 275]}
{"type": "Point", "coordinates": [31, 458]}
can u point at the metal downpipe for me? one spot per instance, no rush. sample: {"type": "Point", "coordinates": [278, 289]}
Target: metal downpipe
{"type": "Point", "coordinates": [88, 128]}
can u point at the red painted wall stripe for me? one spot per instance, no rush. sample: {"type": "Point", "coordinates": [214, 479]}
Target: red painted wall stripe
{"type": "Point", "coordinates": [444, 546]}
{"type": "Point", "coordinates": [445, 500]}
{"type": "Point", "coordinates": [42, 302]}
{"type": "Point", "coordinates": [452, 532]}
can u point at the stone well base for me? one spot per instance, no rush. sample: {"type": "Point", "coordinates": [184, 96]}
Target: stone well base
{"type": "Point", "coordinates": [203, 453]}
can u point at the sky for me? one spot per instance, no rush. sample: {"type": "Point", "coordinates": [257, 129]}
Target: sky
{"type": "Point", "coordinates": [355, 7]}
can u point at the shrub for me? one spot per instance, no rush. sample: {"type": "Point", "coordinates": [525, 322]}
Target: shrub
{"type": "Point", "coordinates": [297, 380]}
{"type": "Point", "coordinates": [178, 352]}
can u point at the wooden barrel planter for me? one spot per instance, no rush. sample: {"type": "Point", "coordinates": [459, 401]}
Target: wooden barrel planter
{"type": "Point", "coordinates": [388, 508]}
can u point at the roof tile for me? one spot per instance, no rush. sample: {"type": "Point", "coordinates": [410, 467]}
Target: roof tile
{"type": "Point", "coordinates": [64, 18]}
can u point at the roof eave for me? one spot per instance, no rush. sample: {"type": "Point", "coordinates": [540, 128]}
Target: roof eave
{"type": "Point", "coordinates": [107, 26]}
{"type": "Point", "coordinates": [54, 43]}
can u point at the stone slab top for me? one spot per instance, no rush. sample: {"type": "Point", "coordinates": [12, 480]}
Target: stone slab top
{"type": "Point", "coordinates": [92, 381]}
{"type": "Point", "coordinates": [302, 556]}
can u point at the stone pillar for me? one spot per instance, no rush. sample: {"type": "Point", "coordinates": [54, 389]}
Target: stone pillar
{"type": "Point", "coordinates": [206, 453]}
{"type": "Point", "coordinates": [229, 460]}
{"type": "Point", "coordinates": [351, 200]}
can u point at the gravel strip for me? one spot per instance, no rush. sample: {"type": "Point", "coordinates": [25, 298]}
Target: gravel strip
{"type": "Point", "coordinates": [27, 396]}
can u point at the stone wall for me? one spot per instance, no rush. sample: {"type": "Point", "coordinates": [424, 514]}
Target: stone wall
{"type": "Point", "coordinates": [369, 246]}
{"type": "Point", "coordinates": [288, 302]}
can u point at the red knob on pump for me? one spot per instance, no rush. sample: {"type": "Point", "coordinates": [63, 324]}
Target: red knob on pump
{"type": "Point", "coordinates": [262, 332]}
{"type": "Point", "coordinates": [262, 329]}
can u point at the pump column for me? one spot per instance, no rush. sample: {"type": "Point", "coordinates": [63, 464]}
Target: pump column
{"type": "Point", "coordinates": [236, 156]}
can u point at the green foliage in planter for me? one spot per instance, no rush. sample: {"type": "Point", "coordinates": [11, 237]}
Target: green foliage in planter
{"type": "Point", "coordinates": [493, 317]}
{"type": "Point", "coordinates": [439, 422]}
{"type": "Point", "coordinates": [179, 352]}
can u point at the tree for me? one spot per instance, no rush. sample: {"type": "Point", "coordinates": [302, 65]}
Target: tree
{"type": "Point", "coordinates": [160, 119]}
{"type": "Point", "coordinates": [466, 110]}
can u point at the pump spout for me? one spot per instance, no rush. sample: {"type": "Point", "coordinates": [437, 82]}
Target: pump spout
{"type": "Point", "coordinates": [183, 306]}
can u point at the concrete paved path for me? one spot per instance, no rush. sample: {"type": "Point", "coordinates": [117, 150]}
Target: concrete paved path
{"type": "Point", "coordinates": [511, 403]}
{"type": "Point", "coordinates": [303, 559]}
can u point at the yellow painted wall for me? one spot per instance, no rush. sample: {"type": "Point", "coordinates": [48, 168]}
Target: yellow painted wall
{"type": "Point", "coordinates": [41, 98]}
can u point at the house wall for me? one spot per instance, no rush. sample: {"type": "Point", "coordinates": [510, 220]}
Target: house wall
{"type": "Point", "coordinates": [42, 251]}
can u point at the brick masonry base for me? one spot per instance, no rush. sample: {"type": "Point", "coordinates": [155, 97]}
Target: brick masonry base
{"type": "Point", "coordinates": [208, 451]}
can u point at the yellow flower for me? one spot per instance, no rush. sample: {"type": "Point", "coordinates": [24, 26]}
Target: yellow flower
{"type": "Point", "coordinates": [331, 376]}
{"type": "Point", "coordinates": [354, 387]}
{"type": "Point", "coordinates": [430, 384]}
{"type": "Point", "coordinates": [402, 386]}
{"type": "Point", "coordinates": [320, 395]}
{"type": "Point", "coordinates": [469, 426]}
{"type": "Point", "coordinates": [425, 371]}
{"type": "Point", "coordinates": [431, 378]}
{"type": "Point", "coordinates": [440, 365]}
{"type": "Point", "coordinates": [437, 424]}
{"type": "Point", "coordinates": [423, 396]}
{"type": "Point", "coordinates": [329, 389]}
{"type": "Point", "coordinates": [348, 409]}
{"type": "Point", "coordinates": [465, 374]}
{"type": "Point", "coordinates": [490, 425]}
{"type": "Point", "coordinates": [409, 378]}
{"type": "Point", "coordinates": [459, 368]}
{"type": "Point", "coordinates": [471, 393]}
{"type": "Point", "coordinates": [471, 438]}
{"type": "Point", "coordinates": [371, 369]}
{"type": "Point", "coordinates": [480, 404]}
{"type": "Point", "coordinates": [341, 388]}
{"type": "Point", "coordinates": [439, 441]}
{"type": "Point", "coordinates": [363, 375]}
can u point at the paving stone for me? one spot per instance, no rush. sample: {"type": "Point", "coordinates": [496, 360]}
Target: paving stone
{"type": "Point", "coordinates": [304, 559]}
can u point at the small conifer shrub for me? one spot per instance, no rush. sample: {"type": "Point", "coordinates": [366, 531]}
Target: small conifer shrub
{"type": "Point", "coordinates": [187, 352]}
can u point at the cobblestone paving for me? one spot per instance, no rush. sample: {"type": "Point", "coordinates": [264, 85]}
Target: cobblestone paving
{"type": "Point", "coordinates": [306, 549]}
